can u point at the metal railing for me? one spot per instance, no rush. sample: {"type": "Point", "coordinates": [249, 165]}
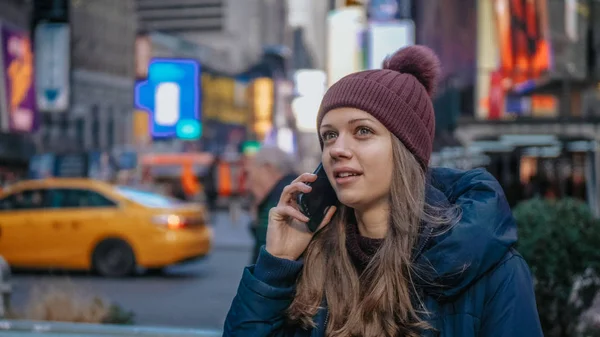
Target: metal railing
{"type": "Point", "coordinates": [17, 328]}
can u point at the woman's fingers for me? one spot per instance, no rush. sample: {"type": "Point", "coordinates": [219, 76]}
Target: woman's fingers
{"type": "Point", "coordinates": [291, 212]}
{"type": "Point", "coordinates": [305, 178]}
{"type": "Point", "coordinates": [291, 190]}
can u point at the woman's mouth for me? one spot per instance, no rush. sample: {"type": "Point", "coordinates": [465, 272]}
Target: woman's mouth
{"type": "Point", "coordinates": [343, 178]}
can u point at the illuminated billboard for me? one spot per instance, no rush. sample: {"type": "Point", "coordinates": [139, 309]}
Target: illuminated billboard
{"type": "Point", "coordinates": [515, 50]}
{"type": "Point", "coordinates": [18, 111]}
{"type": "Point", "coordinates": [171, 96]}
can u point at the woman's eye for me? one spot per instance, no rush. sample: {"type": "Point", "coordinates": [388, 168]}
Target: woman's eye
{"type": "Point", "coordinates": [327, 135]}
{"type": "Point", "coordinates": [363, 131]}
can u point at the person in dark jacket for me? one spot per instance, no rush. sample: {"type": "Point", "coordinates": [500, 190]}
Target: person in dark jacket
{"type": "Point", "coordinates": [269, 171]}
{"type": "Point", "coordinates": [409, 250]}
{"type": "Point", "coordinates": [211, 184]}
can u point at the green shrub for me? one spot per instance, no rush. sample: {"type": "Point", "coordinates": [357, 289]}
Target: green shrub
{"type": "Point", "coordinates": [560, 241]}
{"type": "Point", "coordinates": [118, 315]}
{"type": "Point", "coordinates": [591, 332]}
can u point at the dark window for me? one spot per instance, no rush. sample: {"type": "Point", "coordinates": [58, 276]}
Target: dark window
{"type": "Point", "coordinates": [54, 11]}
{"type": "Point", "coordinates": [46, 129]}
{"type": "Point", "coordinates": [76, 198]}
{"type": "Point", "coordinates": [25, 200]}
{"type": "Point", "coordinates": [80, 131]}
{"type": "Point", "coordinates": [64, 124]}
{"type": "Point", "coordinates": [110, 130]}
{"type": "Point", "coordinates": [95, 127]}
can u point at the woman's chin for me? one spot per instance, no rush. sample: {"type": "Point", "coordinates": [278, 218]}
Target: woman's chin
{"type": "Point", "coordinates": [348, 199]}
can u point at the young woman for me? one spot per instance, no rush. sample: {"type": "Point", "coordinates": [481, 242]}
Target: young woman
{"type": "Point", "coordinates": [409, 251]}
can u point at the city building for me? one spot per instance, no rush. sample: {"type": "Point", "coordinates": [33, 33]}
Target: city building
{"type": "Point", "coordinates": [235, 30]}
{"type": "Point", "coordinates": [97, 84]}
{"type": "Point", "coordinates": [16, 12]}
{"type": "Point", "coordinates": [181, 16]}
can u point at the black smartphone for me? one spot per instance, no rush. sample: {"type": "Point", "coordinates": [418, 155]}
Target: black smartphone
{"type": "Point", "coordinates": [316, 203]}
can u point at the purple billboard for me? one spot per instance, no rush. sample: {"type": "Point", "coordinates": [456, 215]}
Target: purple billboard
{"type": "Point", "coordinates": [17, 70]}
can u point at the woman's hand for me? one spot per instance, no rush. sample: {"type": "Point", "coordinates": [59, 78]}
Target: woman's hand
{"type": "Point", "coordinates": [287, 234]}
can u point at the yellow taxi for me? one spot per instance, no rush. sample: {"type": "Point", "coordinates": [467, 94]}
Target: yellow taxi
{"type": "Point", "coordinates": [87, 224]}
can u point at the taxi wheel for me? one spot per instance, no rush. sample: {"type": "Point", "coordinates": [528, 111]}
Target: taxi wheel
{"type": "Point", "coordinates": [114, 258]}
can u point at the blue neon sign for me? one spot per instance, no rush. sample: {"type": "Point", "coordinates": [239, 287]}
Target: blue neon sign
{"type": "Point", "coordinates": [171, 95]}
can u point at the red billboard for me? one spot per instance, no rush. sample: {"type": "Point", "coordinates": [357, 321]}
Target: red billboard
{"type": "Point", "coordinates": [523, 38]}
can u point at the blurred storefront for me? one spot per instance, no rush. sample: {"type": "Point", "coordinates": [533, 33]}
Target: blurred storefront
{"type": "Point", "coordinates": [230, 110]}
{"type": "Point", "coordinates": [167, 115]}
{"type": "Point", "coordinates": [542, 166]}
{"type": "Point", "coordinates": [175, 173]}
{"type": "Point", "coordinates": [112, 167]}
{"type": "Point", "coordinates": [533, 89]}
{"type": "Point", "coordinates": [226, 112]}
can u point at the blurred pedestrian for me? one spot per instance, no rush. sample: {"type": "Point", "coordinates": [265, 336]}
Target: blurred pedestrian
{"type": "Point", "coordinates": [211, 185]}
{"type": "Point", "coordinates": [268, 172]}
{"type": "Point", "coordinates": [409, 250]}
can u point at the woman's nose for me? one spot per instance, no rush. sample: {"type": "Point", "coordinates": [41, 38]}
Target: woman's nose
{"type": "Point", "coordinates": [340, 152]}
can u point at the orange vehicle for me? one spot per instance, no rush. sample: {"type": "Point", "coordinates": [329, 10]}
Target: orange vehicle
{"type": "Point", "coordinates": [91, 225]}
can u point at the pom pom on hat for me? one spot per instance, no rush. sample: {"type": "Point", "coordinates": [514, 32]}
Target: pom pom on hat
{"type": "Point", "coordinates": [419, 61]}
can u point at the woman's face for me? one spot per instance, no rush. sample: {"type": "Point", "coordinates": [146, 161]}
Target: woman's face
{"type": "Point", "coordinates": [357, 157]}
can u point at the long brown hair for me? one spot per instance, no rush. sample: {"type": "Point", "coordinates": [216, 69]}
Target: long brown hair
{"type": "Point", "coordinates": [382, 301]}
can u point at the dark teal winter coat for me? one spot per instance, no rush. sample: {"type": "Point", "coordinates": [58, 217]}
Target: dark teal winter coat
{"type": "Point", "coordinates": [484, 286]}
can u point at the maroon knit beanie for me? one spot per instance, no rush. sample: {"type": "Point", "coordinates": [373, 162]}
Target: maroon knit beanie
{"type": "Point", "coordinates": [399, 96]}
